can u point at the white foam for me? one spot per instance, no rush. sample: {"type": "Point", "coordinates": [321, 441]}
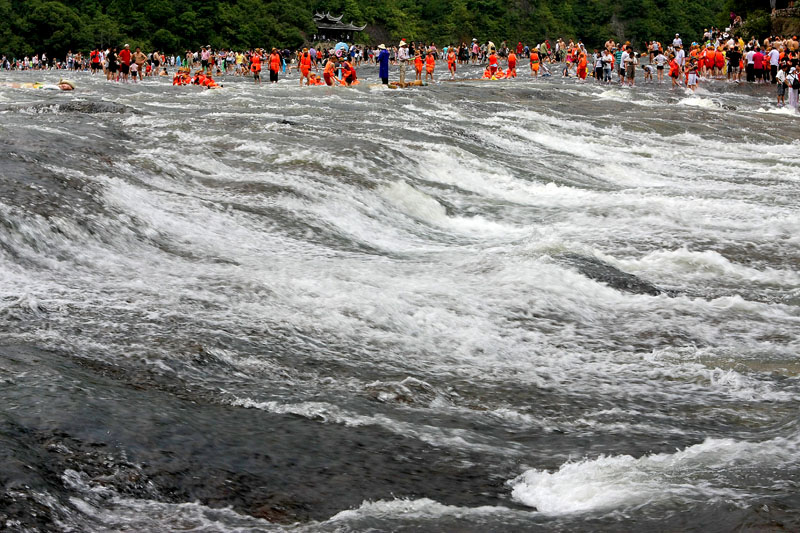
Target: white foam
{"type": "Point", "coordinates": [702, 264]}
{"type": "Point", "coordinates": [423, 508]}
{"type": "Point", "coordinates": [705, 471]}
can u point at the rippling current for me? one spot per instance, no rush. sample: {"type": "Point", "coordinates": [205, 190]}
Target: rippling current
{"type": "Point", "coordinates": [473, 307]}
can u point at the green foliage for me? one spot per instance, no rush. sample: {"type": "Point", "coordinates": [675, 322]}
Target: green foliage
{"type": "Point", "coordinates": [55, 26]}
{"type": "Point", "coordinates": [759, 24]}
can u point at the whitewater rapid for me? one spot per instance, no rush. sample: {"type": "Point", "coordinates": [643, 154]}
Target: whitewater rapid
{"type": "Point", "coordinates": [473, 306]}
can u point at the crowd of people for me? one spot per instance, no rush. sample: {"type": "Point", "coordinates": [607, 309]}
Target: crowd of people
{"type": "Point", "coordinates": [718, 54]}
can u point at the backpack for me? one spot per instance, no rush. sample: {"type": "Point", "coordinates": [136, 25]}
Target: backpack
{"type": "Point", "coordinates": [795, 83]}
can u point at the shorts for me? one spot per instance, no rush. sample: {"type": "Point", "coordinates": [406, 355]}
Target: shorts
{"type": "Point", "coordinates": [96, 66]}
{"type": "Point", "coordinates": [203, 63]}
{"type": "Point", "coordinates": [630, 71]}
{"type": "Point", "coordinates": [621, 72]}
{"type": "Point", "coordinates": [692, 80]}
{"type": "Point", "coordinates": [733, 69]}
{"type": "Point", "coordinates": [112, 68]}
{"type": "Point", "coordinates": [660, 67]}
{"type": "Point", "coordinates": [273, 75]}
{"type": "Point", "coordinates": [124, 69]}
{"type": "Point", "coordinates": [781, 89]}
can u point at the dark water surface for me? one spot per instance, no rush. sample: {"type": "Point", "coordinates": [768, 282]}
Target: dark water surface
{"type": "Point", "coordinates": [474, 306]}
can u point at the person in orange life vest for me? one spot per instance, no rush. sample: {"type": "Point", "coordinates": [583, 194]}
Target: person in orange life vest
{"type": "Point", "coordinates": [348, 73]}
{"type": "Point", "coordinates": [418, 65]}
{"type": "Point", "coordinates": [582, 66]}
{"type": "Point", "coordinates": [512, 65]}
{"type": "Point", "coordinates": [209, 82]}
{"type": "Point", "coordinates": [493, 62]}
{"type": "Point", "coordinates": [199, 78]}
{"type": "Point", "coordinates": [329, 72]}
{"type": "Point", "coordinates": [274, 65]}
{"type": "Point", "coordinates": [711, 57]}
{"type": "Point", "coordinates": [255, 65]}
{"type": "Point", "coordinates": [674, 71]}
{"type": "Point", "coordinates": [451, 62]}
{"type": "Point", "coordinates": [535, 62]}
{"type": "Point", "coordinates": [305, 66]}
{"type": "Point", "coordinates": [430, 65]}
{"type": "Point", "coordinates": [313, 79]}
{"type": "Point", "coordinates": [719, 61]}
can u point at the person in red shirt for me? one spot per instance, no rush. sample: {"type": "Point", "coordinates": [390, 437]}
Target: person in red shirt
{"type": "Point", "coordinates": [520, 48]}
{"type": "Point", "coordinates": [125, 62]}
{"type": "Point", "coordinates": [758, 65]}
{"type": "Point", "coordinates": [94, 56]}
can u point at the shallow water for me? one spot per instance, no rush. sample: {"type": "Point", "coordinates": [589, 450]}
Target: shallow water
{"type": "Point", "coordinates": [473, 306]}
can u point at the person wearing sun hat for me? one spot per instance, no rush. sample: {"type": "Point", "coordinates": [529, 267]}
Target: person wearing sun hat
{"type": "Point", "coordinates": [383, 64]}
{"type": "Point", "coordinates": [402, 58]}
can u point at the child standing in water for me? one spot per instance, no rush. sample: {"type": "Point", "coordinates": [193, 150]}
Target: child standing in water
{"type": "Point", "coordinates": [692, 70]}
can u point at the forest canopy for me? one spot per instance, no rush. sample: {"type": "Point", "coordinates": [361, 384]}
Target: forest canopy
{"type": "Point", "coordinates": [56, 26]}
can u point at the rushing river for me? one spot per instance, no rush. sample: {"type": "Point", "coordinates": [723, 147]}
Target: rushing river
{"type": "Point", "coordinates": [473, 307]}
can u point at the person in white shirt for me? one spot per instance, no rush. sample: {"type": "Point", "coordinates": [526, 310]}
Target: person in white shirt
{"type": "Point", "coordinates": [402, 58]}
{"type": "Point", "coordinates": [660, 61]}
{"type": "Point", "coordinates": [774, 59]}
{"type": "Point", "coordinates": [680, 56]}
{"type": "Point", "coordinates": [780, 79]}
{"type": "Point", "coordinates": [676, 42]}
{"type": "Point", "coordinates": [623, 64]}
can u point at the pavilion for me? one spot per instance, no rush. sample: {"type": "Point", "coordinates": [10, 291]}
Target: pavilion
{"type": "Point", "coordinates": [330, 28]}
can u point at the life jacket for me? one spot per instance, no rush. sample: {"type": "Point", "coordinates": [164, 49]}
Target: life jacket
{"type": "Point", "coordinates": [720, 58]}
{"type": "Point", "coordinates": [348, 72]}
{"type": "Point", "coordinates": [430, 63]}
{"type": "Point", "coordinates": [305, 62]}
{"type": "Point", "coordinates": [255, 63]}
{"type": "Point", "coordinates": [512, 60]}
{"type": "Point", "coordinates": [451, 58]}
{"type": "Point", "coordinates": [710, 58]}
{"type": "Point", "coordinates": [493, 60]}
{"type": "Point", "coordinates": [418, 63]}
{"type": "Point", "coordinates": [274, 62]}
{"type": "Point", "coordinates": [534, 58]}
